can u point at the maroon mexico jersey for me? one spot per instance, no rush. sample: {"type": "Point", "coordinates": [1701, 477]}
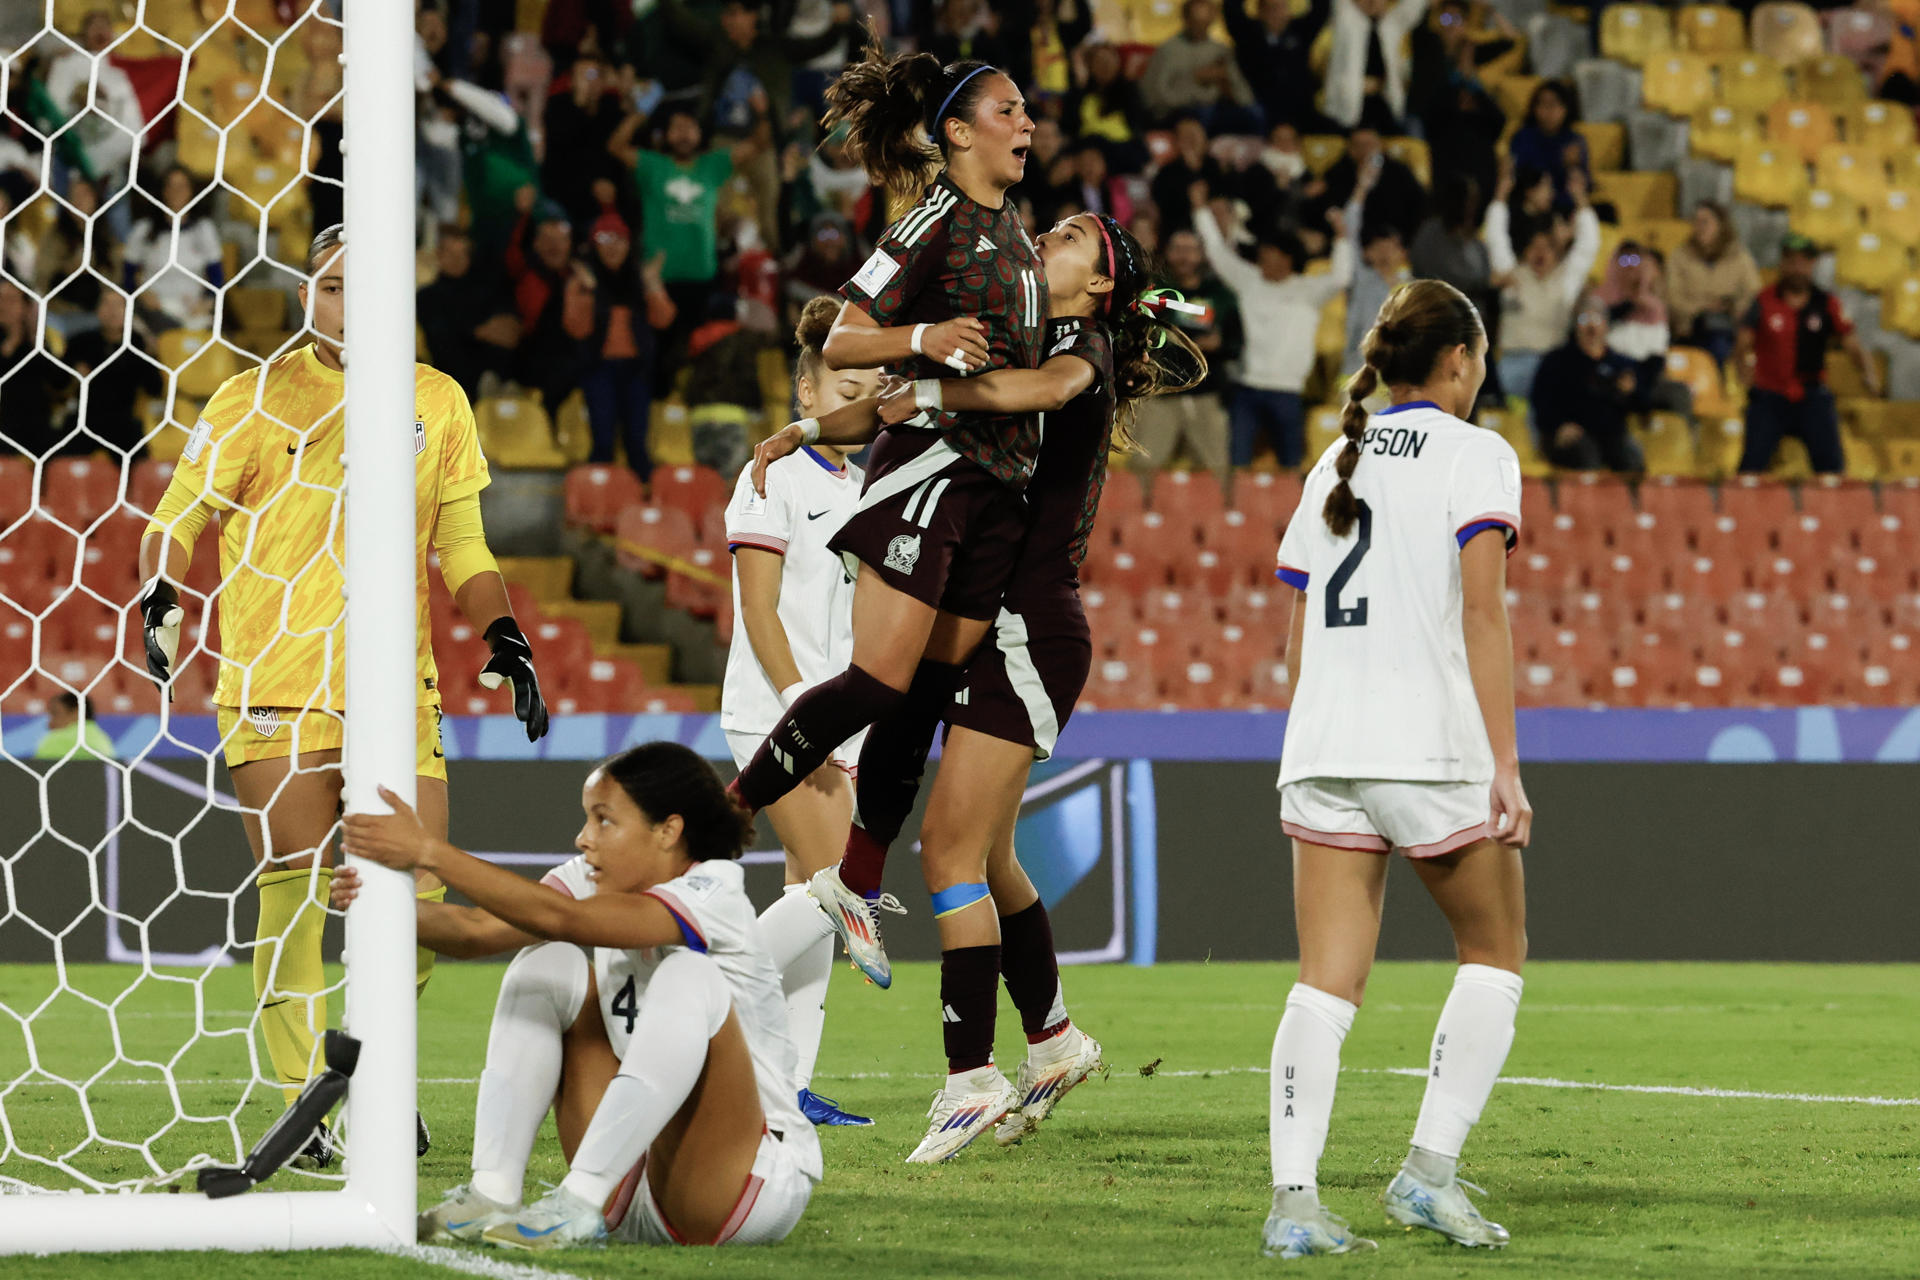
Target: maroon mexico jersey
{"type": "Point", "coordinates": [949, 257]}
{"type": "Point", "coordinates": [1065, 493]}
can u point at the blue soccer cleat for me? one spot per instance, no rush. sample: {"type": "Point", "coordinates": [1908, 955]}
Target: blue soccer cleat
{"type": "Point", "coordinates": [825, 1111]}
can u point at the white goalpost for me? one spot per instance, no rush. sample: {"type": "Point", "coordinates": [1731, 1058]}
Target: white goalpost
{"type": "Point", "coordinates": [376, 1203]}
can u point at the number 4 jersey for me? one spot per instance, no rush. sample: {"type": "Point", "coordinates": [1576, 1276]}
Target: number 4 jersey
{"type": "Point", "coordinates": [1384, 687]}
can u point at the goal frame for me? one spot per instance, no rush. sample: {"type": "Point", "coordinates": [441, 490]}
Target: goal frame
{"type": "Point", "coordinates": [377, 1206]}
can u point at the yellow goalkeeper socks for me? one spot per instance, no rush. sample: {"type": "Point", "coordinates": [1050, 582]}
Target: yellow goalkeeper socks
{"type": "Point", "coordinates": [288, 978]}
{"type": "Point", "coordinates": [423, 958]}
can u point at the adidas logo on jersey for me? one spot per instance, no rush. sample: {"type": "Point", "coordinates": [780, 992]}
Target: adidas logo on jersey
{"type": "Point", "coordinates": [984, 245]}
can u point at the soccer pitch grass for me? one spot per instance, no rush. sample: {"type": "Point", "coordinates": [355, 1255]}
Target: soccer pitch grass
{"type": "Point", "coordinates": [1163, 1172]}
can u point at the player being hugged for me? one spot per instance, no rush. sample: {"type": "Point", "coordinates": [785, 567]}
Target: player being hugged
{"type": "Point", "coordinates": [794, 603]}
{"type": "Point", "coordinates": [662, 1050]}
{"type": "Point", "coordinates": [268, 456]}
{"type": "Point", "coordinates": [955, 287]}
{"type": "Point", "coordinates": [1106, 350]}
{"type": "Point", "coordinates": [1401, 736]}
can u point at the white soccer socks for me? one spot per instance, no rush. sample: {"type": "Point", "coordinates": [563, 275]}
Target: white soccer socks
{"type": "Point", "coordinates": [800, 940]}
{"type": "Point", "coordinates": [1469, 1047]}
{"type": "Point", "coordinates": [1306, 1068]}
{"type": "Point", "coordinates": [687, 1003]}
{"type": "Point", "coordinates": [540, 996]}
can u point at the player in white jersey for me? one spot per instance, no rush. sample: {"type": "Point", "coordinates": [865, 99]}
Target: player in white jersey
{"type": "Point", "coordinates": [662, 1050]}
{"type": "Point", "coordinates": [793, 610]}
{"type": "Point", "coordinates": [1401, 736]}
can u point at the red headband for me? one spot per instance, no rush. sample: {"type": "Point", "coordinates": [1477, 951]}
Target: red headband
{"type": "Point", "coordinates": [1107, 240]}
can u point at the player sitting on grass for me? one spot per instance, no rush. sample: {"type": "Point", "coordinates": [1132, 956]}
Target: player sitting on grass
{"type": "Point", "coordinates": [663, 1051]}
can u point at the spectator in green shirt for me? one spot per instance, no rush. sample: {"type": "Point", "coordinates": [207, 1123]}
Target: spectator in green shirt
{"type": "Point", "coordinates": [70, 733]}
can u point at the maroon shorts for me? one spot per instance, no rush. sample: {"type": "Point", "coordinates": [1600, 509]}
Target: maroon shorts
{"type": "Point", "coordinates": [935, 525]}
{"type": "Point", "coordinates": [1024, 680]}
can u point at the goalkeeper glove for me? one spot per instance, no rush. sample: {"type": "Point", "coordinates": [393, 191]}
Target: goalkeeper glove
{"type": "Point", "coordinates": [160, 616]}
{"type": "Point", "coordinates": [513, 660]}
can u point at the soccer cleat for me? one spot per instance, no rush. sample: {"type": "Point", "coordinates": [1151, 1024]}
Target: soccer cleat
{"type": "Point", "coordinates": [857, 920]}
{"type": "Point", "coordinates": [320, 1152]}
{"type": "Point", "coordinates": [1047, 1075]}
{"type": "Point", "coordinates": [422, 1140]}
{"type": "Point", "coordinates": [825, 1111]}
{"type": "Point", "coordinates": [462, 1216]}
{"type": "Point", "coordinates": [1324, 1233]}
{"type": "Point", "coordinates": [1444, 1209]}
{"type": "Point", "coordinates": [959, 1115]}
{"type": "Point", "coordinates": [558, 1220]}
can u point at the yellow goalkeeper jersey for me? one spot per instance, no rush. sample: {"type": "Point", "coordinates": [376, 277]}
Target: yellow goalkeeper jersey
{"type": "Point", "coordinates": [268, 456]}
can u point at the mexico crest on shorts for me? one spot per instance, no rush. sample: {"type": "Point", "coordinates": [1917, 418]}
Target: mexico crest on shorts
{"type": "Point", "coordinates": [903, 553]}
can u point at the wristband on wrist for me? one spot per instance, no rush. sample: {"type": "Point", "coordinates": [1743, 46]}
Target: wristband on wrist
{"type": "Point", "coordinates": [919, 331]}
{"type": "Point", "coordinates": [926, 394]}
{"type": "Point", "coordinates": [791, 694]}
{"type": "Point", "coordinates": [809, 430]}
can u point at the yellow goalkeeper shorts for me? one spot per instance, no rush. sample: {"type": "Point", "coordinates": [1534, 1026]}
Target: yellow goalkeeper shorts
{"type": "Point", "coordinates": [275, 733]}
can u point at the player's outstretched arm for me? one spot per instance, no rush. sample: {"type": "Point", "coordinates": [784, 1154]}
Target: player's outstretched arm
{"type": "Point", "coordinates": [1042, 390]}
{"type": "Point", "coordinates": [851, 425]}
{"type": "Point", "coordinates": [620, 920]}
{"type": "Point", "coordinates": [465, 933]}
{"type": "Point", "coordinates": [1483, 587]}
{"type": "Point", "coordinates": [858, 341]}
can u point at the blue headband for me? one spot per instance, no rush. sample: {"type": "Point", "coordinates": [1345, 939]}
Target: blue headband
{"type": "Point", "coordinates": [941, 113]}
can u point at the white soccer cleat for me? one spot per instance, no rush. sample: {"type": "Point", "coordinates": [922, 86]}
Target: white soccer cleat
{"type": "Point", "coordinates": [968, 1107]}
{"type": "Point", "coordinates": [856, 920]}
{"type": "Point", "coordinates": [1444, 1209]}
{"type": "Point", "coordinates": [1309, 1237]}
{"type": "Point", "coordinates": [462, 1217]}
{"type": "Point", "coordinates": [1049, 1073]}
{"type": "Point", "coordinates": [558, 1220]}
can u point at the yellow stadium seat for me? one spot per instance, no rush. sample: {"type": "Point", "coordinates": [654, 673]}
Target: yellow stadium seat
{"type": "Point", "coordinates": [1856, 171]}
{"type": "Point", "coordinates": [1634, 32]}
{"type": "Point", "coordinates": [1719, 446]}
{"type": "Point", "coordinates": [1873, 419]}
{"type": "Point", "coordinates": [1860, 455]}
{"type": "Point", "coordinates": [1896, 216]}
{"type": "Point", "coordinates": [1667, 442]}
{"type": "Point", "coordinates": [1903, 168]}
{"type": "Point", "coordinates": [1322, 151]}
{"type": "Point", "coordinates": [1831, 79]}
{"type": "Point", "coordinates": [1513, 93]}
{"type": "Point", "coordinates": [1663, 234]}
{"type": "Point", "coordinates": [1330, 339]}
{"type": "Point", "coordinates": [1413, 153]}
{"type": "Point", "coordinates": [1888, 125]}
{"type": "Point", "coordinates": [514, 433]}
{"type": "Point", "coordinates": [1806, 127]}
{"type": "Point", "coordinates": [571, 431]}
{"type": "Point", "coordinates": [1676, 83]}
{"type": "Point", "coordinates": [1606, 145]}
{"type": "Point", "coordinates": [1843, 375]}
{"type": "Point", "coordinates": [1719, 132]}
{"type": "Point", "coordinates": [256, 307]}
{"type": "Point", "coordinates": [1791, 462]}
{"type": "Point", "coordinates": [1710, 28]}
{"type": "Point", "coordinates": [1900, 307]}
{"type": "Point", "coordinates": [1695, 369]}
{"type": "Point", "coordinates": [1611, 234]}
{"type": "Point", "coordinates": [1903, 460]}
{"type": "Point", "coordinates": [1639, 194]}
{"type": "Point", "coordinates": [1865, 260]}
{"type": "Point", "coordinates": [199, 145]}
{"type": "Point", "coordinates": [1747, 80]}
{"type": "Point", "coordinates": [1786, 33]}
{"type": "Point", "coordinates": [200, 362]}
{"type": "Point", "coordinates": [1323, 428]}
{"type": "Point", "coordinates": [1826, 216]}
{"type": "Point", "coordinates": [1770, 176]}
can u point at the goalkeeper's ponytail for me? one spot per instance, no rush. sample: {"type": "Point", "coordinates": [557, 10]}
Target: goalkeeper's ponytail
{"type": "Point", "coordinates": [665, 778]}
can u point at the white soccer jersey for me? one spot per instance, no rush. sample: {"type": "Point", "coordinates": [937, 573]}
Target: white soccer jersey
{"type": "Point", "coordinates": [1384, 687]}
{"type": "Point", "coordinates": [716, 919]}
{"type": "Point", "coordinates": [807, 501]}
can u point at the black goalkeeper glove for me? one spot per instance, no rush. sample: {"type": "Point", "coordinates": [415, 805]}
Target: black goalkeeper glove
{"type": "Point", "coordinates": [513, 660]}
{"type": "Point", "coordinates": [160, 617]}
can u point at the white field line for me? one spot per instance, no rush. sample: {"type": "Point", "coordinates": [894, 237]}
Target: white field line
{"type": "Point", "coordinates": [474, 1264]}
{"type": "Point", "coordinates": [1534, 1082]}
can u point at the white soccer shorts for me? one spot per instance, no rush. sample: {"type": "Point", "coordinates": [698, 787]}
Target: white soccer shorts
{"type": "Point", "coordinates": [776, 1195]}
{"type": "Point", "coordinates": [1420, 819]}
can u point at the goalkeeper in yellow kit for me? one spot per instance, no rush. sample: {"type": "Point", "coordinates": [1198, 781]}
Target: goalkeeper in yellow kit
{"type": "Point", "coordinates": [267, 456]}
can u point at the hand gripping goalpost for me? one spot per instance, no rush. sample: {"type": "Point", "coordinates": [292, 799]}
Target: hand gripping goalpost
{"type": "Point", "coordinates": [376, 1205]}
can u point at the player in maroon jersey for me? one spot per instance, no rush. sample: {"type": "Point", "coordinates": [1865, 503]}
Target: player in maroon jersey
{"type": "Point", "coordinates": [954, 287]}
{"type": "Point", "coordinates": [1105, 352]}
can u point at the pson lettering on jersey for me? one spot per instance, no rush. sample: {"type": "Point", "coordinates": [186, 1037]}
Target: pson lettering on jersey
{"type": "Point", "coordinates": [1393, 442]}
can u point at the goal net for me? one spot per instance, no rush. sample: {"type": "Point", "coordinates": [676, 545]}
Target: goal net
{"type": "Point", "coordinates": [163, 167]}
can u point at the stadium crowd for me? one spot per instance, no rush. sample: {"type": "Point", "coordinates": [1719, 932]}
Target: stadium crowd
{"type": "Point", "coordinates": [622, 207]}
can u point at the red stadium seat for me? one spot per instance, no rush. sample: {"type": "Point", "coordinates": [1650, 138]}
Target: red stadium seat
{"type": "Point", "coordinates": [1187, 498]}
{"type": "Point", "coordinates": [1538, 572]}
{"type": "Point", "coordinates": [1246, 543]}
{"type": "Point", "coordinates": [561, 643]}
{"type": "Point", "coordinates": [1903, 611]}
{"type": "Point", "coordinates": [1131, 574]}
{"type": "Point", "coordinates": [644, 536]}
{"type": "Point", "coordinates": [700, 598]}
{"type": "Point", "coordinates": [1170, 609]}
{"type": "Point", "coordinates": [1546, 684]}
{"type": "Point", "coordinates": [1765, 613]}
{"type": "Point", "coordinates": [1115, 685]}
{"type": "Point", "coordinates": [1108, 613]}
{"type": "Point", "coordinates": [598, 492]}
{"type": "Point", "coordinates": [1737, 665]}
{"type": "Point", "coordinates": [1209, 572]}
{"type": "Point", "coordinates": [78, 623]}
{"type": "Point", "coordinates": [1570, 536]}
{"type": "Point", "coordinates": [1123, 496]}
{"type": "Point", "coordinates": [1839, 614]}
{"type": "Point", "coordinates": [110, 559]}
{"type": "Point", "coordinates": [664, 702]}
{"type": "Point", "coordinates": [1596, 498]}
{"type": "Point", "coordinates": [1536, 504]}
{"type": "Point", "coordinates": [1758, 503]}
{"type": "Point", "coordinates": [1268, 498]}
{"type": "Point", "coordinates": [1595, 613]}
{"type": "Point", "coordinates": [690, 489]}
{"type": "Point", "coordinates": [1889, 673]}
{"type": "Point", "coordinates": [1902, 498]}
{"type": "Point", "coordinates": [78, 491]}
{"type": "Point", "coordinates": [1686, 505]}
{"type": "Point", "coordinates": [1797, 575]}
{"type": "Point", "coordinates": [1268, 686]}
{"type": "Point", "coordinates": [613, 684]}
{"type": "Point", "coordinates": [126, 692]}
{"type": "Point", "coordinates": [1200, 685]}
{"type": "Point", "coordinates": [1887, 537]}
{"type": "Point", "coordinates": [16, 488]}
{"type": "Point", "coordinates": [710, 530]}
{"type": "Point", "coordinates": [1869, 578]}
{"type": "Point", "coordinates": [1838, 505]}
{"type": "Point", "coordinates": [193, 686]}
{"type": "Point", "coordinates": [1262, 607]}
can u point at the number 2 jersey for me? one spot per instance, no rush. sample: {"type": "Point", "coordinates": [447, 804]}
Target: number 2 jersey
{"type": "Point", "coordinates": [1385, 692]}
{"type": "Point", "coordinates": [950, 257]}
{"type": "Point", "coordinates": [717, 919]}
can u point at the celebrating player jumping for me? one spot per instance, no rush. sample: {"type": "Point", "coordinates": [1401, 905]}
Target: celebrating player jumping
{"type": "Point", "coordinates": [1401, 736]}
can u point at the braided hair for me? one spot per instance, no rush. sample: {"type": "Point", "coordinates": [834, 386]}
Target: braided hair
{"type": "Point", "coordinates": [1151, 355]}
{"type": "Point", "coordinates": [895, 109]}
{"type": "Point", "coordinates": [1419, 321]}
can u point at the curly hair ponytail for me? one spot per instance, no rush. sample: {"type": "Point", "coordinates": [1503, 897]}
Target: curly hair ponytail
{"type": "Point", "coordinates": [1135, 317]}
{"type": "Point", "coordinates": [893, 108]}
{"type": "Point", "coordinates": [1420, 321]}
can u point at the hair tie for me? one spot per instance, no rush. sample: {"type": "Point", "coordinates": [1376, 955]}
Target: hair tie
{"type": "Point", "coordinates": [1156, 303]}
{"type": "Point", "coordinates": [937, 116]}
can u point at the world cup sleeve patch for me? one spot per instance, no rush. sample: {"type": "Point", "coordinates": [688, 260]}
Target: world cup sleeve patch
{"type": "Point", "coordinates": [873, 277]}
{"type": "Point", "coordinates": [1509, 477]}
{"type": "Point", "coordinates": [197, 441]}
